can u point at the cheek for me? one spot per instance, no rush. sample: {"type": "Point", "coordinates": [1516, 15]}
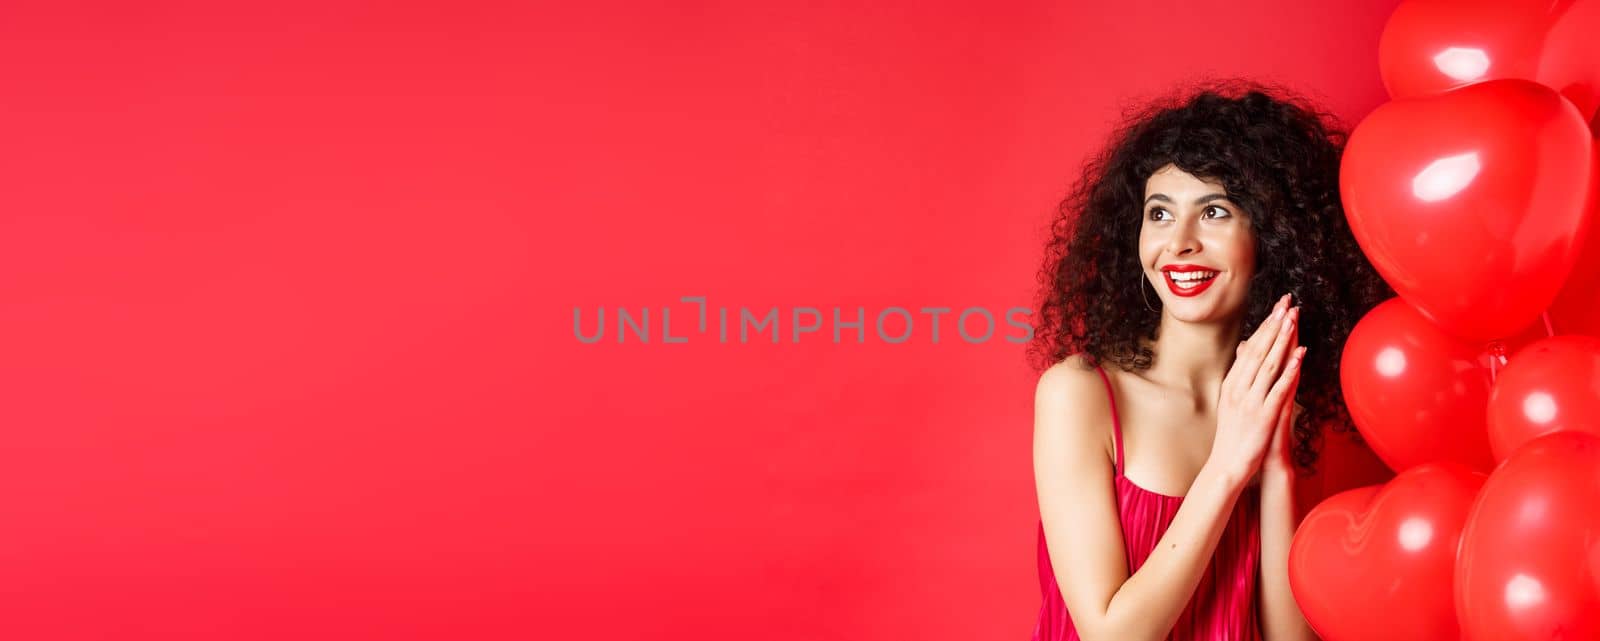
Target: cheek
{"type": "Point", "coordinates": [1246, 258]}
{"type": "Point", "coordinates": [1149, 248]}
{"type": "Point", "coordinates": [1245, 253]}
{"type": "Point", "coordinates": [1241, 250]}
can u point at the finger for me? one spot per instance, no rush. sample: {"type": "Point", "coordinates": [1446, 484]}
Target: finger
{"type": "Point", "coordinates": [1272, 363]}
{"type": "Point", "coordinates": [1260, 346]}
{"type": "Point", "coordinates": [1288, 381]}
{"type": "Point", "coordinates": [1272, 359]}
{"type": "Point", "coordinates": [1269, 325]}
{"type": "Point", "coordinates": [1247, 356]}
{"type": "Point", "coordinates": [1252, 350]}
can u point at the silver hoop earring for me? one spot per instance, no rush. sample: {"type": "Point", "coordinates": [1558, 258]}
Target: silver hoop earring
{"type": "Point", "coordinates": [1142, 282]}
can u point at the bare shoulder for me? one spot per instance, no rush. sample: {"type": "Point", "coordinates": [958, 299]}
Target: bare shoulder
{"type": "Point", "coordinates": [1071, 410]}
{"type": "Point", "coordinates": [1072, 377]}
{"type": "Point", "coordinates": [1074, 479]}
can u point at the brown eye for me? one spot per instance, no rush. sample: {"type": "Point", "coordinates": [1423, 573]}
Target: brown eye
{"type": "Point", "coordinates": [1222, 213]}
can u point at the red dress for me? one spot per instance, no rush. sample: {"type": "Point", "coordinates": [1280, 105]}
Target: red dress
{"type": "Point", "coordinates": [1224, 604]}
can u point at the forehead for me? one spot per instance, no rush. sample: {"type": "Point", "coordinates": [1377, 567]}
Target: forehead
{"type": "Point", "coordinates": [1171, 180]}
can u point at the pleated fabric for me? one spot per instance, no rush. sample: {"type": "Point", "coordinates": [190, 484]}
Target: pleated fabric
{"type": "Point", "coordinates": [1223, 607]}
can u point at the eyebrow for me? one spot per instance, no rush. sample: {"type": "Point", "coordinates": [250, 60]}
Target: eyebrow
{"type": "Point", "coordinates": [1198, 201]}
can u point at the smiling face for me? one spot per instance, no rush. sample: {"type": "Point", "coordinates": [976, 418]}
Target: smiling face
{"type": "Point", "coordinates": [1196, 246]}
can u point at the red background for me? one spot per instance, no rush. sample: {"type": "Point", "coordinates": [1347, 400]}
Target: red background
{"type": "Point", "coordinates": [289, 295]}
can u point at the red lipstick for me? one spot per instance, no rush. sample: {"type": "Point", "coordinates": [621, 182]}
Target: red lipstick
{"type": "Point", "coordinates": [1188, 291]}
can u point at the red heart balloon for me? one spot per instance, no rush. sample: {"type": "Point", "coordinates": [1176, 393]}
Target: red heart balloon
{"type": "Point", "coordinates": [1472, 203]}
{"type": "Point", "coordinates": [1387, 549]}
{"type": "Point", "coordinates": [1574, 310]}
{"type": "Point", "coordinates": [1415, 393]}
{"type": "Point", "coordinates": [1551, 385]}
{"type": "Point", "coordinates": [1528, 564]}
{"type": "Point", "coordinates": [1429, 46]}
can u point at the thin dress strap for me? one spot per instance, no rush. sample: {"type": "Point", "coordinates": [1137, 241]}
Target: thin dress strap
{"type": "Point", "coordinates": [1116, 423]}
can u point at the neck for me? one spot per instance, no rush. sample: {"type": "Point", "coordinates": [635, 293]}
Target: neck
{"type": "Point", "coordinates": [1194, 357]}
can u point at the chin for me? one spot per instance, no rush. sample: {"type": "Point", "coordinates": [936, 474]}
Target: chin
{"type": "Point", "coordinates": [1202, 310]}
{"type": "Point", "coordinates": [1195, 313]}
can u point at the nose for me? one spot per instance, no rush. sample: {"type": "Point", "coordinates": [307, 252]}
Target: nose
{"type": "Point", "coordinates": [1183, 242]}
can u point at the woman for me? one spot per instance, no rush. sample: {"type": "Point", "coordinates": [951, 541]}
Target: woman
{"type": "Point", "coordinates": [1167, 433]}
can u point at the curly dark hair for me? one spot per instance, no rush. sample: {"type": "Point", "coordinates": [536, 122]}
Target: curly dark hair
{"type": "Point", "coordinates": [1278, 158]}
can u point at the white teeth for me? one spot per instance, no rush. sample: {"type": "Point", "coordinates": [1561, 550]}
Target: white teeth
{"type": "Point", "coordinates": [1191, 276]}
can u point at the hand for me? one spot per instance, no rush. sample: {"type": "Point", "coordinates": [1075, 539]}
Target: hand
{"type": "Point", "coordinates": [1251, 402]}
{"type": "Point", "coordinates": [1280, 452]}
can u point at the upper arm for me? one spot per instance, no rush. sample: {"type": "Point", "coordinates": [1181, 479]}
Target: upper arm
{"type": "Point", "coordinates": [1077, 498]}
